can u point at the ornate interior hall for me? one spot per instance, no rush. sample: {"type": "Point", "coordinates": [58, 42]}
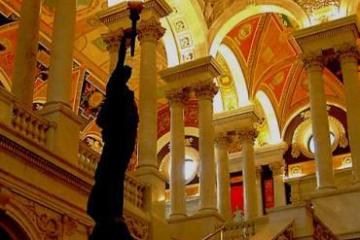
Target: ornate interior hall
{"type": "Point", "coordinates": [249, 118]}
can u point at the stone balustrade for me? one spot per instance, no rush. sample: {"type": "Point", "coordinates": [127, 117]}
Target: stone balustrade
{"type": "Point", "coordinates": [243, 230]}
{"type": "Point", "coordinates": [136, 192]}
{"type": "Point", "coordinates": [88, 158]}
{"type": "Point", "coordinates": [29, 124]}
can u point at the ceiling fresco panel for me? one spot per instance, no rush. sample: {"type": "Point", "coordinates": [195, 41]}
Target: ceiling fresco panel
{"type": "Point", "coordinates": [244, 34]}
{"type": "Point", "coordinates": [274, 47]}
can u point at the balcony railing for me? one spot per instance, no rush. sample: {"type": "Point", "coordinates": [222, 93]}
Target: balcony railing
{"type": "Point", "coordinates": [135, 192]}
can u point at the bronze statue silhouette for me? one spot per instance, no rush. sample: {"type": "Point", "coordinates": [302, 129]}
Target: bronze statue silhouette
{"type": "Point", "coordinates": [118, 118]}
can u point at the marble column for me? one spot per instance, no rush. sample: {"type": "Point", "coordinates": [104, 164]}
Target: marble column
{"type": "Point", "coordinates": [150, 32]}
{"type": "Point", "coordinates": [259, 191]}
{"type": "Point", "coordinates": [205, 94]}
{"type": "Point", "coordinates": [222, 142]}
{"type": "Point", "coordinates": [26, 52]}
{"type": "Point", "coordinates": [177, 99]}
{"type": "Point", "coordinates": [60, 72]}
{"type": "Point", "coordinates": [320, 124]}
{"type": "Point", "coordinates": [278, 183]}
{"type": "Point", "coordinates": [247, 137]}
{"type": "Point", "coordinates": [349, 56]}
{"type": "Point", "coordinates": [65, 138]}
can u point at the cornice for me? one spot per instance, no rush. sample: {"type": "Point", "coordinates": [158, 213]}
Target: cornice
{"type": "Point", "coordinates": [120, 11]}
{"type": "Point", "coordinates": [42, 164]}
{"type": "Point", "coordinates": [325, 31]}
{"type": "Point", "coordinates": [200, 70]}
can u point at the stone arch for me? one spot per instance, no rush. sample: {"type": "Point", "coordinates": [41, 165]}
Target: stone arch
{"type": "Point", "coordinates": [304, 107]}
{"type": "Point", "coordinates": [237, 74]}
{"type": "Point", "coordinates": [11, 228]}
{"type": "Point", "coordinates": [238, 12]}
{"type": "Point", "coordinates": [270, 116]}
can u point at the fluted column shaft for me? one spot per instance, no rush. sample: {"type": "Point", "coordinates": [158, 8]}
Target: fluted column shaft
{"type": "Point", "coordinates": [247, 138]}
{"type": "Point", "coordinates": [26, 50]}
{"type": "Point", "coordinates": [177, 99]}
{"type": "Point", "coordinates": [279, 186]}
{"type": "Point", "coordinates": [205, 94]}
{"type": "Point", "coordinates": [349, 65]}
{"type": "Point", "coordinates": [150, 31]}
{"type": "Point", "coordinates": [59, 87]}
{"type": "Point", "coordinates": [320, 124]}
{"type": "Point", "coordinates": [222, 143]}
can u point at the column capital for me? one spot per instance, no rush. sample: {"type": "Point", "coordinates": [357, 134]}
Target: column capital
{"type": "Point", "coordinates": [223, 140]}
{"type": "Point", "coordinates": [150, 30]}
{"type": "Point", "coordinates": [178, 96]}
{"type": "Point", "coordinates": [348, 52]}
{"type": "Point", "coordinates": [312, 60]}
{"type": "Point", "coordinates": [112, 40]}
{"type": "Point", "coordinates": [247, 135]}
{"type": "Point", "coordinates": [206, 90]}
{"type": "Point", "coordinates": [258, 170]}
{"type": "Point", "coordinates": [277, 168]}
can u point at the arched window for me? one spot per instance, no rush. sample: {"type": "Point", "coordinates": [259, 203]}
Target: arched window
{"type": "Point", "coordinates": [311, 142]}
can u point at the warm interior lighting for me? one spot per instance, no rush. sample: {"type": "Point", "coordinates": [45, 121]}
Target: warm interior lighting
{"type": "Point", "coordinates": [325, 14]}
{"type": "Point", "coordinates": [237, 74]}
{"type": "Point", "coordinates": [274, 129]}
{"type": "Point", "coordinates": [115, 2]}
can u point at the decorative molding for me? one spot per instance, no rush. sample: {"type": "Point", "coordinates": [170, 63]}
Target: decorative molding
{"type": "Point", "coordinates": [178, 96]}
{"type": "Point", "coordinates": [206, 91]}
{"type": "Point", "coordinates": [150, 30]}
{"type": "Point", "coordinates": [41, 163]}
{"type": "Point", "coordinates": [223, 140]}
{"type": "Point", "coordinates": [112, 40]}
{"type": "Point", "coordinates": [247, 135]}
{"type": "Point", "coordinates": [138, 227]}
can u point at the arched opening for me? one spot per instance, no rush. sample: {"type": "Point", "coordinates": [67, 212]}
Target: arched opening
{"type": "Point", "coordinates": [11, 230]}
{"type": "Point", "coordinates": [274, 130]}
{"type": "Point", "coordinates": [237, 74]}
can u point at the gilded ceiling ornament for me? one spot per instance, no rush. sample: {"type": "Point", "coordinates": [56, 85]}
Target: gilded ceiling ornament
{"type": "Point", "coordinates": [311, 5]}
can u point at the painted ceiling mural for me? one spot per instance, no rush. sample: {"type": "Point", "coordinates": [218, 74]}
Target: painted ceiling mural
{"type": "Point", "coordinates": [263, 45]}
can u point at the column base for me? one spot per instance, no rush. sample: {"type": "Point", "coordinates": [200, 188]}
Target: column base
{"type": "Point", "coordinates": [326, 189]}
{"type": "Point", "coordinates": [206, 211]}
{"type": "Point", "coordinates": [177, 216]}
